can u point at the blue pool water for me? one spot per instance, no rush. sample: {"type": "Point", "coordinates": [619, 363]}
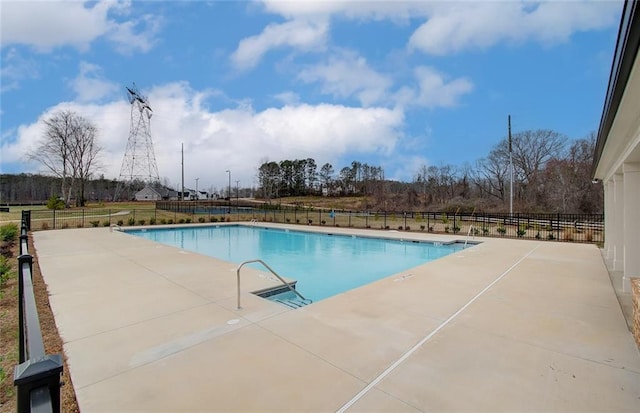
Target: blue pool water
{"type": "Point", "coordinates": [324, 265]}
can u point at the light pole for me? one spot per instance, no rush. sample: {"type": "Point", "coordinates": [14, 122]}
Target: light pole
{"type": "Point", "coordinates": [197, 196]}
{"type": "Point", "coordinates": [237, 194]}
{"type": "Point", "coordinates": [229, 172]}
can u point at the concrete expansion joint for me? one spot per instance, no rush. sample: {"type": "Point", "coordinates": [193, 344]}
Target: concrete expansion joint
{"type": "Point", "coordinates": [405, 356]}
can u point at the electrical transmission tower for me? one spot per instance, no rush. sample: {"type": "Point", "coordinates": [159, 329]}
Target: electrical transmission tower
{"type": "Point", "coordinates": [139, 162]}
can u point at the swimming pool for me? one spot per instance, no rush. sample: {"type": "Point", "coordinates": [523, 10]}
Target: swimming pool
{"type": "Point", "coordinates": [323, 264]}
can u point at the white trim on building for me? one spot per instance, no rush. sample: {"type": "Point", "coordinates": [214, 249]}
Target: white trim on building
{"type": "Point", "coordinates": [617, 157]}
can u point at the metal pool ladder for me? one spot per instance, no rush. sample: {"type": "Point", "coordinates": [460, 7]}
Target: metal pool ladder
{"type": "Point", "coordinates": [272, 272]}
{"type": "Point", "coordinates": [466, 241]}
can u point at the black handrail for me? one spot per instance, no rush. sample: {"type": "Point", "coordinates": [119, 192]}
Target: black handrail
{"type": "Point", "coordinates": [37, 377]}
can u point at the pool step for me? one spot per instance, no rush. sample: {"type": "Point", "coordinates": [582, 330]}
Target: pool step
{"type": "Point", "coordinates": [291, 303]}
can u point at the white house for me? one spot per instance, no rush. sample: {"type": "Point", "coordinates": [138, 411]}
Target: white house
{"type": "Point", "coordinates": [151, 193]}
{"type": "Point", "coordinates": [192, 195]}
{"type": "Point", "coordinates": [617, 154]}
{"type": "Point", "coordinates": [148, 193]}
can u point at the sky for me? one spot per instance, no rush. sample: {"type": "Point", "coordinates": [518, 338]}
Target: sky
{"type": "Point", "coordinates": [390, 83]}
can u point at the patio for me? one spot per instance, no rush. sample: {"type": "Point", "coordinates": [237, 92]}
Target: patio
{"type": "Point", "coordinates": [508, 325]}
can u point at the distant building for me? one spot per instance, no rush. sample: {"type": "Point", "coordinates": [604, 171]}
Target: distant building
{"type": "Point", "coordinates": [158, 193]}
{"type": "Point", "coordinates": [617, 155]}
{"type": "Point", "coordinates": [148, 193]}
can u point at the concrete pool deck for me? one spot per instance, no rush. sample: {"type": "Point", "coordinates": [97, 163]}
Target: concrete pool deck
{"type": "Point", "coordinates": [508, 325]}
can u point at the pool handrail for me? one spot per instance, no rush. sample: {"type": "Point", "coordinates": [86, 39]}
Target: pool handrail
{"type": "Point", "coordinates": [288, 285]}
{"type": "Point", "coordinates": [466, 241]}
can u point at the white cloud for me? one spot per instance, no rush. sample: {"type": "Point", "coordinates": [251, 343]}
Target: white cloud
{"type": "Point", "coordinates": [406, 167]}
{"type": "Point", "coordinates": [303, 35]}
{"type": "Point", "coordinates": [347, 74]}
{"type": "Point", "coordinates": [90, 85]}
{"type": "Point", "coordinates": [16, 68]}
{"type": "Point", "coordinates": [233, 139]}
{"type": "Point", "coordinates": [288, 98]}
{"type": "Point", "coordinates": [372, 9]}
{"type": "Point", "coordinates": [135, 35]}
{"type": "Point", "coordinates": [455, 27]}
{"type": "Point", "coordinates": [433, 89]}
{"type": "Point", "coordinates": [46, 25]}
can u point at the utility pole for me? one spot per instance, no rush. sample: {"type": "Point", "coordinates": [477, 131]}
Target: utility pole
{"type": "Point", "coordinates": [229, 172]}
{"type": "Point", "coordinates": [197, 194]}
{"type": "Point", "coordinates": [182, 191]}
{"type": "Point", "coordinates": [237, 194]}
{"type": "Point", "coordinates": [510, 169]}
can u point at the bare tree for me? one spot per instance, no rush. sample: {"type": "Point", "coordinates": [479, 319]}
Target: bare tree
{"type": "Point", "coordinates": [491, 173]}
{"type": "Point", "coordinates": [69, 150]}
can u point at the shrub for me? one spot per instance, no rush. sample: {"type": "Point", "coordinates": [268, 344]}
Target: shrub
{"type": "Point", "coordinates": [9, 232]}
{"type": "Point", "coordinates": [288, 220]}
{"type": "Point", "coordinates": [201, 220]}
{"type": "Point", "coordinates": [538, 235]}
{"type": "Point", "coordinates": [407, 228]}
{"type": "Point", "coordinates": [5, 268]}
{"type": "Point", "coordinates": [522, 230]}
{"type": "Point", "coordinates": [568, 234]}
{"type": "Point", "coordinates": [163, 221]}
{"type": "Point", "coordinates": [485, 231]}
{"type": "Point", "coordinates": [422, 227]}
{"type": "Point", "coordinates": [55, 203]}
{"type": "Point", "coordinates": [94, 223]}
{"type": "Point", "coordinates": [188, 220]}
{"type": "Point", "coordinates": [323, 222]}
{"type": "Point", "coordinates": [501, 230]}
{"type": "Point", "coordinates": [44, 226]}
{"type": "Point", "coordinates": [181, 221]}
{"type": "Point", "coordinates": [169, 221]}
{"type": "Point", "coordinates": [141, 222]}
{"type": "Point", "coordinates": [310, 221]}
{"type": "Point", "coordinates": [152, 221]}
{"type": "Point", "coordinates": [213, 219]}
{"type": "Point", "coordinates": [456, 228]}
{"type": "Point", "coordinates": [446, 229]}
{"type": "Point", "coordinates": [64, 225]}
{"type": "Point", "coordinates": [550, 237]}
{"type": "Point", "coordinates": [297, 221]}
{"type": "Point", "coordinates": [400, 227]}
{"type": "Point", "coordinates": [6, 249]}
{"type": "Point", "coordinates": [131, 221]}
{"type": "Point", "coordinates": [105, 223]}
{"type": "Point", "coordinates": [120, 222]}
{"type": "Point", "coordinates": [431, 228]}
{"type": "Point", "coordinates": [589, 236]}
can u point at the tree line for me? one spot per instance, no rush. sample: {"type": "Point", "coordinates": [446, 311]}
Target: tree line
{"type": "Point", "coordinates": [550, 174]}
{"type": "Point", "coordinates": [301, 177]}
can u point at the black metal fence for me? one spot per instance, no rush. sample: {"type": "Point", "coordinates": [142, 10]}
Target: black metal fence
{"type": "Point", "coordinates": [37, 377]}
{"type": "Point", "coordinates": [554, 227]}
